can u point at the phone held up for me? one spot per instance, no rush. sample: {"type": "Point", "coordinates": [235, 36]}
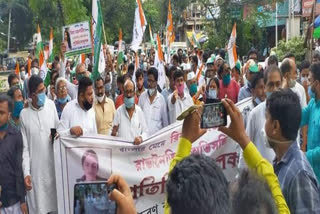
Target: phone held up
{"type": "Point", "coordinates": [213, 115]}
{"type": "Point", "coordinates": [93, 198]}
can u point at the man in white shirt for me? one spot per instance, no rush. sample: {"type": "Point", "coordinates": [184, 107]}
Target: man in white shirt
{"type": "Point", "coordinates": [78, 117]}
{"type": "Point", "coordinates": [153, 104]}
{"type": "Point", "coordinates": [178, 101]}
{"type": "Point", "coordinates": [129, 122]}
{"type": "Point", "coordinates": [37, 159]}
{"type": "Point", "coordinates": [257, 118]}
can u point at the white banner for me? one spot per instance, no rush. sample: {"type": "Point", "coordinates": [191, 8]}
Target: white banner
{"type": "Point", "coordinates": [144, 167]}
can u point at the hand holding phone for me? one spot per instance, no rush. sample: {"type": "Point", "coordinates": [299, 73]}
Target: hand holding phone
{"type": "Point", "coordinates": [213, 115]}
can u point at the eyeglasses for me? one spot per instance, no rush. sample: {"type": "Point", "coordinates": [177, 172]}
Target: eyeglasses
{"type": "Point", "coordinates": [151, 81]}
{"type": "Point", "coordinates": [63, 88]}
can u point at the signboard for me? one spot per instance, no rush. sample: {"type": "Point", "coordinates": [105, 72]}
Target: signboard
{"type": "Point", "coordinates": [77, 39]}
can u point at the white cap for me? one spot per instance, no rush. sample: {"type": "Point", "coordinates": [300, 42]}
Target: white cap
{"type": "Point", "coordinates": [191, 75]}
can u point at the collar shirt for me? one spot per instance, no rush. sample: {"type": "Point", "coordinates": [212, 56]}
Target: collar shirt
{"type": "Point", "coordinates": [244, 93]}
{"type": "Point", "coordinates": [180, 105]}
{"type": "Point", "coordinates": [104, 117]}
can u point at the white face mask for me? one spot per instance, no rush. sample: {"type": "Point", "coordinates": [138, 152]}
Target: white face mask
{"type": "Point", "coordinates": [267, 139]}
{"type": "Point", "coordinates": [152, 91]}
{"type": "Point", "coordinates": [304, 79]}
{"type": "Point", "coordinates": [23, 74]}
{"type": "Point", "coordinates": [34, 71]}
{"type": "Point", "coordinates": [100, 99]}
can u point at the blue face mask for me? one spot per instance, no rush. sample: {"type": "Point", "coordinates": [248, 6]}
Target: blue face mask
{"type": "Point", "coordinates": [41, 99]}
{"type": "Point", "coordinates": [64, 100]}
{"type": "Point", "coordinates": [193, 89]}
{"type": "Point", "coordinates": [4, 127]}
{"type": "Point", "coordinates": [107, 87]}
{"type": "Point", "coordinates": [311, 93]}
{"type": "Point", "coordinates": [18, 106]}
{"type": "Point", "coordinates": [212, 94]}
{"type": "Point", "coordinates": [257, 100]}
{"type": "Point", "coordinates": [226, 79]}
{"type": "Point", "coordinates": [268, 94]}
{"type": "Point", "coordinates": [129, 102]}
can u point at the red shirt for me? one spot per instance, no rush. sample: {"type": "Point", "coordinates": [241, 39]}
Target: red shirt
{"type": "Point", "coordinates": [120, 100]}
{"type": "Point", "coordinates": [231, 91]}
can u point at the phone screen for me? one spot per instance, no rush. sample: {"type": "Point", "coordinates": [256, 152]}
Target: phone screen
{"type": "Point", "coordinates": [214, 115]}
{"type": "Point", "coordinates": [93, 198]}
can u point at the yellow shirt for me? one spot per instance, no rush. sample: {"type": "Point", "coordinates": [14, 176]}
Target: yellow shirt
{"type": "Point", "coordinates": [254, 161]}
{"type": "Point", "coordinates": [104, 118]}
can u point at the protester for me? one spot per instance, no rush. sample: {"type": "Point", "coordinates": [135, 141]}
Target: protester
{"type": "Point", "coordinates": [178, 101]}
{"type": "Point", "coordinates": [34, 71]}
{"type": "Point", "coordinates": [13, 80]}
{"type": "Point", "coordinates": [272, 60]}
{"type": "Point", "coordinates": [153, 105]}
{"type": "Point", "coordinates": [120, 99]}
{"type": "Point", "coordinates": [256, 118]}
{"type": "Point", "coordinates": [303, 78]}
{"type": "Point", "coordinates": [104, 108]}
{"type": "Point", "coordinates": [167, 91]}
{"type": "Point", "coordinates": [12, 195]}
{"type": "Point", "coordinates": [311, 118]}
{"type": "Point", "coordinates": [51, 91]}
{"type": "Point", "coordinates": [210, 71]}
{"type": "Point", "coordinates": [252, 70]}
{"type": "Point", "coordinates": [228, 87]}
{"type": "Point", "coordinates": [38, 168]}
{"type": "Point", "coordinates": [253, 55]}
{"type": "Point", "coordinates": [297, 180]}
{"type": "Point", "coordinates": [78, 117]}
{"type": "Point", "coordinates": [62, 95]}
{"type": "Point", "coordinates": [236, 74]}
{"type": "Point", "coordinates": [129, 122]}
{"type": "Point", "coordinates": [15, 94]}
{"type": "Point", "coordinates": [108, 85]}
{"type": "Point", "coordinates": [139, 82]}
{"type": "Point", "coordinates": [212, 91]}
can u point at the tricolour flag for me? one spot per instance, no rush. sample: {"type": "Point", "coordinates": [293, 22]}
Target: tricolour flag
{"type": "Point", "coordinates": [159, 64]}
{"type": "Point", "coordinates": [170, 32]}
{"type": "Point", "coordinates": [51, 46]}
{"type": "Point", "coordinates": [195, 40]}
{"type": "Point", "coordinates": [232, 49]}
{"type": "Point", "coordinates": [139, 26]}
{"type": "Point", "coordinates": [40, 56]}
{"type": "Point", "coordinates": [98, 57]}
{"type": "Point", "coordinates": [39, 47]}
{"type": "Point", "coordinates": [120, 51]}
{"type": "Point", "coordinates": [151, 37]}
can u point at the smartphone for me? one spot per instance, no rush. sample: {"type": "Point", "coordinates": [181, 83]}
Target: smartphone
{"type": "Point", "coordinates": [214, 115]}
{"type": "Point", "coordinates": [93, 198]}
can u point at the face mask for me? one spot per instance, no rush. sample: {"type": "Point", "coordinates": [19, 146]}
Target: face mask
{"type": "Point", "coordinates": [267, 139]}
{"type": "Point", "coordinates": [87, 106]}
{"type": "Point", "coordinates": [152, 91]}
{"type": "Point", "coordinates": [34, 71]}
{"type": "Point", "coordinates": [212, 94]}
{"type": "Point", "coordinates": [226, 79]}
{"type": "Point", "coordinates": [22, 74]}
{"type": "Point", "coordinates": [100, 99]}
{"type": "Point", "coordinates": [180, 89]}
{"type": "Point", "coordinates": [107, 87]}
{"type": "Point", "coordinates": [41, 99]}
{"type": "Point", "coordinates": [129, 102]}
{"type": "Point", "coordinates": [118, 91]}
{"type": "Point", "coordinates": [257, 100]}
{"type": "Point", "coordinates": [291, 83]}
{"type": "Point", "coordinates": [64, 100]}
{"type": "Point", "coordinates": [311, 93]}
{"type": "Point", "coordinates": [79, 76]}
{"type": "Point", "coordinates": [193, 89]}
{"type": "Point", "coordinates": [304, 79]}
{"type": "Point", "coordinates": [18, 106]}
{"type": "Point", "coordinates": [268, 93]}
{"type": "Point", "coordinates": [4, 127]}
{"type": "Point", "coordinates": [208, 80]}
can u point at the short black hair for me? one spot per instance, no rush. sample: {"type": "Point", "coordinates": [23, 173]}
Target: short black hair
{"type": "Point", "coordinates": [253, 51]}
{"type": "Point", "coordinates": [273, 60]}
{"type": "Point", "coordinates": [305, 64]}
{"type": "Point", "coordinates": [12, 90]}
{"type": "Point", "coordinates": [315, 70]}
{"type": "Point", "coordinates": [220, 69]}
{"type": "Point", "coordinates": [54, 65]}
{"type": "Point", "coordinates": [195, 59]}
{"type": "Point", "coordinates": [177, 74]}
{"type": "Point", "coordinates": [11, 77]}
{"type": "Point", "coordinates": [252, 195]}
{"type": "Point", "coordinates": [84, 83]}
{"type": "Point", "coordinates": [154, 72]}
{"type": "Point", "coordinates": [171, 71]}
{"type": "Point", "coordinates": [34, 61]}
{"type": "Point", "coordinates": [6, 98]}
{"type": "Point", "coordinates": [33, 83]}
{"type": "Point", "coordinates": [175, 57]}
{"type": "Point", "coordinates": [98, 79]}
{"type": "Point", "coordinates": [271, 69]}
{"type": "Point", "coordinates": [289, 55]}
{"type": "Point", "coordinates": [256, 79]}
{"type": "Point", "coordinates": [120, 79]}
{"type": "Point", "coordinates": [216, 80]}
{"type": "Point", "coordinates": [222, 53]}
{"type": "Point", "coordinates": [284, 106]}
{"type": "Point", "coordinates": [131, 67]}
{"type": "Point", "coordinates": [198, 185]}
{"type": "Point", "coordinates": [139, 73]}
{"type": "Point", "coordinates": [285, 67]}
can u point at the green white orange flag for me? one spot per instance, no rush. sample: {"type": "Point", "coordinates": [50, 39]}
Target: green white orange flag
{"type": "Point", "coordinates": [232, 49]}
{"type": "Point", "coordinates": [159, 64]}
{"type": "Point", "coordinates": [51, 46]}
{"type": "Point", "coordinates": [39, 47]}
{"type": "Point", "coordinates": [151, 37]}
{"type": "Point", "coordinates": [120, 51]}
{"type": "Point", "coordinates": [139, 26]}
{"type": "Point", "coordinates": [171, 36]}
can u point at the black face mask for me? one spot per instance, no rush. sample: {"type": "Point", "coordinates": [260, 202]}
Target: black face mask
{"type": "Point", "coordinates": [87, 105]}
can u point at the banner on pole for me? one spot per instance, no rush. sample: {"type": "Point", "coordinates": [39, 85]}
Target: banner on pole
{"type": "Point", "coordinates": [144, 167]}
{"type": "Point", "coordinates": [77, 38]}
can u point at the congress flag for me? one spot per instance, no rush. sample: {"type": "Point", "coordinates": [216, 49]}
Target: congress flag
{"type": "Point", "coordinates": [139, 26]}
{"type": "Point", "coordinates": [232, 49]}
{"type": "Point", "coordinates": [51, 46]}
{"type": "Point", "coordinates": [120, 51]}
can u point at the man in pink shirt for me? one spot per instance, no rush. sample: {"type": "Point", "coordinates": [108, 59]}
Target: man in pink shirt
{"type": "Point", "coordinates": [228, 87]}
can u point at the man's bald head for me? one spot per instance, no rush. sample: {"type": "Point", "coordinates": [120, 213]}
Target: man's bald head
{"type": "Point", "coordinates": [81, 68]}
{"type": "Point", "coordinates": [287, 65]}
{"type": "Point", "coordinates": [129, 88]}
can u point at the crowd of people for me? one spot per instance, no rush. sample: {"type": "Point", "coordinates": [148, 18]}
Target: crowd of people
{"type": "Point", "coordinates": [278, 130]}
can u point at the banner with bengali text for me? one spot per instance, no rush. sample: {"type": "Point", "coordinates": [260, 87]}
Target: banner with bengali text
{"type": "Point", "coordinates": [145, 167]}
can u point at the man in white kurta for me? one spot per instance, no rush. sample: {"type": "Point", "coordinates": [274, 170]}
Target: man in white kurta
{"type": "Point", "coordinates": [38, 158]}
